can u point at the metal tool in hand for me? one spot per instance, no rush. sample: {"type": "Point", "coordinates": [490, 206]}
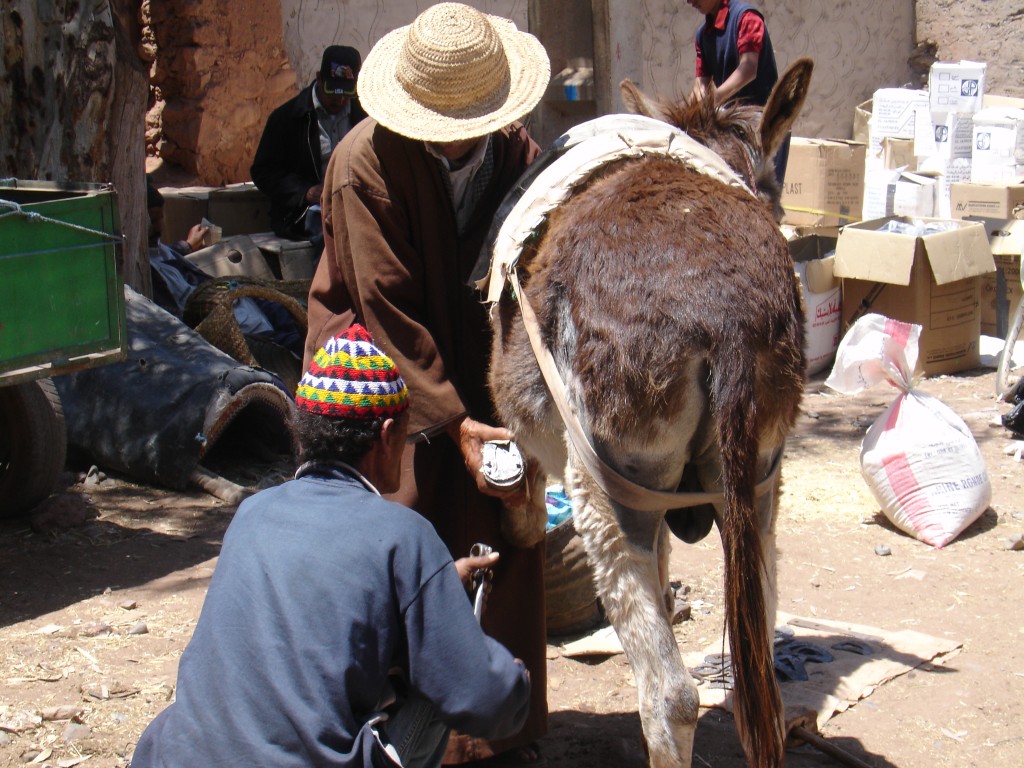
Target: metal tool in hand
{"type": "Point", "coordinates": [479, 579]}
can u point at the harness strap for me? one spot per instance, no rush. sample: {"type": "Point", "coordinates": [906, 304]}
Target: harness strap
{"type": "Point", "coordinates": [619, 488]}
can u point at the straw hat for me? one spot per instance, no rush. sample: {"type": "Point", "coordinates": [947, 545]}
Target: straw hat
{"type": "Point", "coordinates": [453, 74]}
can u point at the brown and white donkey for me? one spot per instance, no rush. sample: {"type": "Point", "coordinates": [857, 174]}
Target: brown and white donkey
{"type": "Point", "coordinates": [668, 302]}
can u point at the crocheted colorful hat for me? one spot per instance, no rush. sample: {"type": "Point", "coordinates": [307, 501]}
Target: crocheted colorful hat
{"type": "Point", "coordinates": [350, 378]}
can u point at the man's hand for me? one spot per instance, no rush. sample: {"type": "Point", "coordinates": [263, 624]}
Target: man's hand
{"type": "Point", "coordinates": [470, 436]}
{"type": "Point", "coordinates": [195, 236]}
{"type": "Point", "coordinates": [313, 194]}
{"type": "Point", "coordinates": [467, 565]}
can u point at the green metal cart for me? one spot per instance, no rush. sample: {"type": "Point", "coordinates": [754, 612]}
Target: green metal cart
{"type": "Point", "coordinates": [61, 310]}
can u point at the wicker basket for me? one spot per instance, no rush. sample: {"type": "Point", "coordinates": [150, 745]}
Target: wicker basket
{"type": "Point", "coordinates": [210, 311]}
{"type": "Point", "coordinates": [572, 605]}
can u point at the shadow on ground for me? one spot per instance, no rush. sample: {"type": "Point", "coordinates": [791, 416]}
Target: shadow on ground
{"type": "Point", "coordinates": [578, 739]}
{"type": "Point", "coordinates": [42, 573]}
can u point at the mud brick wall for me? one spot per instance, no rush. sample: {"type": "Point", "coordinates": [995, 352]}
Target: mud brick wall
{"type": "Point", "coordinates": [220, 68]}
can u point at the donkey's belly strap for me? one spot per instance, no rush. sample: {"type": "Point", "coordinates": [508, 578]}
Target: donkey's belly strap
{"type": "Point", "coordinates": [585, 149]}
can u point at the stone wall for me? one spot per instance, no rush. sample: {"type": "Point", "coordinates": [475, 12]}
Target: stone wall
{"type": "Point", "coordinates": [980, 30]}
{"type": "Point", "coordinates": [221, 66]}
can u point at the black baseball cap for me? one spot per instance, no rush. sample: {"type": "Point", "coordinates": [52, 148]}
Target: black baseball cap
{"type": "Point", "coordinates": [339, 69]}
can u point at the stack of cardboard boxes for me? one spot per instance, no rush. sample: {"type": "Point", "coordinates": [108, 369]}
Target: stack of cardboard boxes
{"type": "Point", "coordinates": [943, 133]}
{"type": "Point", "coordinates": [937, 159]}
{"type": "Point", "coordinates": [920, 142]}
{"type": "Point", "coordinates": [891, 129]}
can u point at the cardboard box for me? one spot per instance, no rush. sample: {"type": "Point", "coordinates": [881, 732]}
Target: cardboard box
{"type": "Point", "coordinates": [1001, 290]}
{"type": "Point", "coordinates": [956, 86]}
{"type": "Point", "coordinates": [898, 154]}
{"type": "Point", "coordinates": [813, 259]}
{"type": "Point", "coordinates": [291, 259]}
{"type": "Point", "coordinates": [930, 279]}
{"type": "Point", "coordinates": [946, 135]}
{"type": "Point", "coordinates": [997, 144]}
{"type": "Point", "coordinates": [893, 113]}
{"type": "Point", "coordinates": [876, 192]}
{"type": "Point", "coordinates": [993, 201]}
{"type": "Point", "coordinates": [824, 182]}
{"type": "Point", "coordinates": [996, 174]}
{"type": "Point", "coordinates": [183, 208]}
{"type": "Point", "coordinates": [236, 255]}
{"type": "Point", "coordinates": [861, 116]}
{"type": "Point", "coordinates": [913, 194]}
{"type": "Point", "coordinates": [997, 100]}
{"type": "Point", "coordinates": [900, 193]}
{"type": "Point", "coordinates": [950, 171]}
{"type": "Point", "coordinates": [238, 209]}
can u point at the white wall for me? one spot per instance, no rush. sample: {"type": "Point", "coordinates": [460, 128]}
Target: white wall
{"type": "Point", "coordinates": [312, 25]}
{"type": "Point", "coordinates": [857, 45]}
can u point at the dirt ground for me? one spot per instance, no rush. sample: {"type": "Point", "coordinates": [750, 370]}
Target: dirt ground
{"type": "Point", "coordinates": [93, 619]}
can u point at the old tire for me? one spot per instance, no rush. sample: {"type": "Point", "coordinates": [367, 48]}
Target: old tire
{"type": "Point", "coordinates": [33, 444]}
{"type": "Point", "coordinates": [572, 604]}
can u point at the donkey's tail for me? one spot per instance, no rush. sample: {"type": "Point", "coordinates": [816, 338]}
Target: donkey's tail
{"type": "Point", "coordinates": [757, 702]}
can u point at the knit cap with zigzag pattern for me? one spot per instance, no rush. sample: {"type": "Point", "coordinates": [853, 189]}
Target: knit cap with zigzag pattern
{"type": "Point", "coordinates": [351, 378]}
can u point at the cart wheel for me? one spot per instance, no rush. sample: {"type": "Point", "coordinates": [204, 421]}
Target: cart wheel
{"type": "Point", "coordinates": [1004, 385]}
{"type": "Point", "coordinates": [33, 444]}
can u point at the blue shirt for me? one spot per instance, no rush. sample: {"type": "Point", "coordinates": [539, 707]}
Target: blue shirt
{"type": "Point", "coordinates": [322, 587]}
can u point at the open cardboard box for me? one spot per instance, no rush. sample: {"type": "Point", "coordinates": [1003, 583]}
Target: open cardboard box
{"type": "Point", "coordinates": [932, 280]}
{"type": "Point", "coordinates": [813, 260]}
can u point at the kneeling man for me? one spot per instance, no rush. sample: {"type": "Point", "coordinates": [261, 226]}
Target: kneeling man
{"type": "Point", "coordinates": [337, 631]}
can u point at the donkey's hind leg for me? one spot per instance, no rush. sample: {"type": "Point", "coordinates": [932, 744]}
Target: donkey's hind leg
{"type": "Point", "coordinates": [768, 512]}
{"type": "Point", "coordinates": [623, 547]}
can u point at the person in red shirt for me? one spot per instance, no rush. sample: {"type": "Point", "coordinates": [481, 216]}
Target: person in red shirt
{"type": "Point", "coordinates": [734, 52]}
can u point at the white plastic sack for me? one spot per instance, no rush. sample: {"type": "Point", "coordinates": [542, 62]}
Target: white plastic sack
{"type": "Point", "coordinates": [919, 459]}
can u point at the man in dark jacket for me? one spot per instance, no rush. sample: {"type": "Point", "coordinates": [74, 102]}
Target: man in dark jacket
{"type": "Point", "coordinates": [336, 630]}
{"type": "Point", "coordinates": [298, 140]}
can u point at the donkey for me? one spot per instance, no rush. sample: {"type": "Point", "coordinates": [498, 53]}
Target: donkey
{"type": "Point", "coordinates": [668, 302]}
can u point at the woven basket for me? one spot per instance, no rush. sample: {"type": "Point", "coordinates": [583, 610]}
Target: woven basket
{"type": "Point", "coordinates": [572, 604]}
{"type": "Point", "coordinates": [210, 311]}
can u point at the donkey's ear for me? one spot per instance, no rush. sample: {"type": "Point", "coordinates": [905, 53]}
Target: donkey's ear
{"type": "Point", "coordinates": [636, 102]}
{"type": "Point", "coordinates": [784, 104]}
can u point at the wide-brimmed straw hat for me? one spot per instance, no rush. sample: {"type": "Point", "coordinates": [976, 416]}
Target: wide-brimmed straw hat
{"type": "Point", "coordinates": [454, 73]}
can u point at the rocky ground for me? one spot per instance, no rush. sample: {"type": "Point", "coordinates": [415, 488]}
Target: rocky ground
{"type": "Point", "coordinates": [93, 619]}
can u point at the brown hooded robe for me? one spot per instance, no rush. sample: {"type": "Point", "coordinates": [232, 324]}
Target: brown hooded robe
{"type": "Point", "coordinates": [394, 261]}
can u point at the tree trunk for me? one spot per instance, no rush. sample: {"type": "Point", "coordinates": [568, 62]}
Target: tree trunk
{"type": "Point", "coordinates": [73, 92]}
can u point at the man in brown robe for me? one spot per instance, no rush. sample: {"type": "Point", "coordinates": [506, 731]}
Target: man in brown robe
{"type": "Point", "coordinates": [408, 200]}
